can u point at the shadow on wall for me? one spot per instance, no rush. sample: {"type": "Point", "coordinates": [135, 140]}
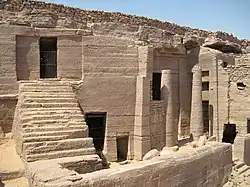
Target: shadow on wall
{"type": "Point", "coordinates": [23, 48]}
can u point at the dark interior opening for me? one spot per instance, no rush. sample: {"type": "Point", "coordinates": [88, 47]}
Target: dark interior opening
{"type": "Point", "coordinates": [241, 85]}
{"type": "Point", "coordinates": [224, 64]}
{"type": "Point", "coordinates": [205, 111]}
{"type": "Point", "coordinates": [156, 87]}
{"type": "Point", "coordinates": [96, 123]}
{"type": "Point", "coordinates": [122, 148]}
{"type": "Point", "coordinates": [229, 133]}
{"type": "Point", "coordinates": [48, 57]}
{"type": "Point", "coordinates": [205, 86]}
{"type": "Point", "coordinates": [205, 73]}
{"type": "Point", "coordinates": [248, 125]}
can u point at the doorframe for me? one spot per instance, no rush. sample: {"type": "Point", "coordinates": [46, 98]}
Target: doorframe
{"type": "Point", "coordinates": [95, 115]}
{"type": "Point", "coordinates": [56, 56]}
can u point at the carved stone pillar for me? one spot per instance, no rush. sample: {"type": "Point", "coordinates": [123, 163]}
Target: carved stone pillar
{"type": "Point", "coordinates": [196, 119]}
{"type": "Point", "coordinates": [169, 93]}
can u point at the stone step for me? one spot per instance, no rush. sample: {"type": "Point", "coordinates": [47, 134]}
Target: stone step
{"type": "Point", "coordinates": [72, 132]}
{"type": "Point", "coordinates": [48, 112]}
{"type": "Point", "coordinates": [50, 100]}
{"type": "Point", "coordinates": [52, 117]}
{"type": "Point", "coordinates": [46, 95]}
{"type": "Point", "coordinates": [56, 96]}
{"type": "Point", "coordinates": [60, 154]}
{"type": "Point", "coordinates": [52, 125]}
{"type": "Point", "coordinates": [48, 105]}
{"type": "Point", "coordinates": [243, 169]}
{"type": "Point", "coordinates": [55, 128]}
{"type": "Point", "coordinates": [52, 109]}
{"type": "Point", "coordinates": [48, 146]}
{"type": "Point", "coordinates": [47, 89]}
{"type": "Point", "coordinates": [239, 165]}
{"type": "Point", "coordinates": [49, 138]}
{"type": "Point", "coordinates": [52, 121]}
{"type": "Point", "coordinates": [45, 84]}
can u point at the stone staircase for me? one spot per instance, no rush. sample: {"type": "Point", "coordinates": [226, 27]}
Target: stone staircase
{"type": "Point", "coordinates": [49, 123]}
{"type": "Point", "coordinates": [240, 176]}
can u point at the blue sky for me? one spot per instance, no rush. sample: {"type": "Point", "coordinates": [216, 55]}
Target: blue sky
{"type": "Point", "coordinates": [232, 16]}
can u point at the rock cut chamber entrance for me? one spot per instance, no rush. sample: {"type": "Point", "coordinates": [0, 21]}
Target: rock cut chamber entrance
{"type": "Point", "coordinates": [48, 58]}
{"type": "Point", "coordinates": [96, 123]}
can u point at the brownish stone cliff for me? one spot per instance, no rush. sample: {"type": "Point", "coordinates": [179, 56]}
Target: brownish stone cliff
{"type": "Point", "coordinates": [41, 14]}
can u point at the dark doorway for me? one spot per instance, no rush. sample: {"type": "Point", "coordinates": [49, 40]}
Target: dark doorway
{"type": "Point", "coordinates": [156, 86]}
{"type": "Point", "coordinates": [229, 133]}
{"type": "Point", "coordinates": [96, 123]}
{"type": "Point", "coordinates": [248, 126]}
{"type": "Point", "coordinates": [48, 57]}
{"type": "Point", "coordinates": [205, 112]}
{"type": "Point", "coordinates": [122, 148]}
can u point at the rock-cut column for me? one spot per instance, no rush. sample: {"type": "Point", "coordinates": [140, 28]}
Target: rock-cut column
{"type": "Point", "coordinates": [196, 119]}
{"type": "Point", "coordinates": [169, 93]}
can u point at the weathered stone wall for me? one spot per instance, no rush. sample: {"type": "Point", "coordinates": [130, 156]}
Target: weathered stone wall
{"type": "Point", "coordinates": [7, 109]}
{"type": "Point", "coordinates": [110, 68]}
{"type": "Point", "coordinates": [238, 104]}
{"type": "Point", "coordinates": [70, 57]}
{"type": "Point", "coordinates": [209, 165]}
{"type": "Point", "coordinates": [8, 84]}
{"type": "Point", "coordinates": [157, 124]}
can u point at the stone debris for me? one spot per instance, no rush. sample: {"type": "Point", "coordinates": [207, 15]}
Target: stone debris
{"type": "Point", "coordinates": [211, 139]}
{"type": "Point", "coordinates": [151, 154]}
{"type": "Point", "coordinates": [240, 176]}
{"type": "Point", "coordinates": [202, 141]}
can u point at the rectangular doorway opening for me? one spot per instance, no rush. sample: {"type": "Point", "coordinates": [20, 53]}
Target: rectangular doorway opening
{"type": "Point", "coordinates": [48, 58]}
{"type": "Point", "coordinates": [122, 148]}
{"type": "Point", "coordinates": [248, 125]}
{"type": "Point", "coordinates": [156, 86]}
{"type": "Point", "coordinates": [229, 133]}
{"type": "Point", "coordinates": [97, 123]}
{"type": "Point", "coordinates": [205, 112]}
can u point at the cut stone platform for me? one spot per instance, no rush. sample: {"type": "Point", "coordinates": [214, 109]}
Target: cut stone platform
{"type": "Point", "coordinates": [49, 123]}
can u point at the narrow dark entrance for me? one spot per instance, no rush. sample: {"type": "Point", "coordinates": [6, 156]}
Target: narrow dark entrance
{"type": "Point", "coordinates": [248, 126]}
{"type": "Point", "coordinates": [229, 133]}
{"type": "Point", "coordinates": [205, 112]}
{"type": "Point", "coordinates": [48, 57]}
{"type": "Point", "coordinates": [156, 86]}
{"type": "Point", "coordinates": [122, 148]}
{"type": "Point", "coordinates": [96, 123]}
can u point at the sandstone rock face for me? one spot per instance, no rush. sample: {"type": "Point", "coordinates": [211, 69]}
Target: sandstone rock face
{"type": "Point", "coordinates": [223, 46]}
{"type": "Point", "coordinates": [151, 154]}
{"type": "Point", "coordinates": [48, 15]}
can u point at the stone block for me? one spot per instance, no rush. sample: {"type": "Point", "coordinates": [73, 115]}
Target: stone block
{"type": "Point", "coordinates": [151, 154]}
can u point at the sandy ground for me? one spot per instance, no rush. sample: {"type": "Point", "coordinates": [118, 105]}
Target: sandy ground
{"type": "Point", "coordinates": [20, 182]}
{"type": "Point", "coordinates": [9, 160]}
{"type": "Point", "coordinates": [11, 163]}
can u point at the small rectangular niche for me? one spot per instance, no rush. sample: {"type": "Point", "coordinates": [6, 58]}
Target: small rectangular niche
{"type": "Point", "coordinates": [205, 73]}
{"type": "Point", "coordinates": [205, 86]}
{"type": "Point", "coordinates": [122, 148]}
